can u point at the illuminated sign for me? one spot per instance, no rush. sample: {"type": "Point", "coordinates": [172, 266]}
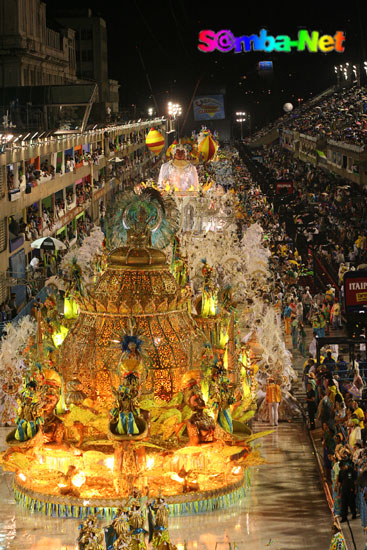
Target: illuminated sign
{"type": "Point", "coordinates": [265, 66]}
{"type": "Point", "coordinates": [225, 41]}
{"type": "Point", "coordinates": [355, 290]}
{"type": "Point", "coordinates": [210, 107]}
{"type": "Point", "coordinates": [284, 186]}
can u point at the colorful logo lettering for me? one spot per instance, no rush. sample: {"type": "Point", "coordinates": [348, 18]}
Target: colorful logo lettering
{"type": "Point", "coordinates": [225, 41]}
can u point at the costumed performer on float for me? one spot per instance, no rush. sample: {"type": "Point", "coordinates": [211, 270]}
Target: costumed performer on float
{"type": "Point", "coordinates": [179, 174]}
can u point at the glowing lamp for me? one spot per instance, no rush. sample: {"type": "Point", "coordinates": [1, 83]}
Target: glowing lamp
{"type": "Point", "coordinates": [109, 462]}
{"type": "Point", "coordinates": [176, 477]}
{"type": "Point", "coordinates": [288, 107]}
{"type": "Point", "coordinates": [212, 306]}
{"type": "Point", "coordinates": [70, 308]}
{"type": "Point", "coordinates": [154, 141]}
{"type": "Point", "coordinates": [59, 337]}
{"type": "Point", "coordinates": [224, 337]}
{"type": "Point", "coordinates": [78, 480]}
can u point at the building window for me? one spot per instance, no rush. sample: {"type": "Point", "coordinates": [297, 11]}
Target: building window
{"type": "Point", "coordinates": [2, 181]}
{"type": "Point", "coordinates": [86, 34]}
{"type": "Point", "coordinates": [3, 241]}
{"type": "Point", "coordinates": [87, 55]}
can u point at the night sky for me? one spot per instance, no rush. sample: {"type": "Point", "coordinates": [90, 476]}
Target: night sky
{"type": "Point", "coordinates": [166, 33]}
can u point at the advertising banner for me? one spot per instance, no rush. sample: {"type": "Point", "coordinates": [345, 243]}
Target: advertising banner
{"type": "Point", "coordinates": [284, 186]}
{"type": "Point", "coordinates": [355, 291]}
{"type": "Point", "coordinates": [209, 107]}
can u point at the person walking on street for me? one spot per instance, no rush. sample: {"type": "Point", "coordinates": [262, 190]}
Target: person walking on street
{"type": "Point", "coordinates": [336, 318]}
{"type": "Point", "coordinates": [312, 348]}
{"type": "Point", "coordinates": [302, 339]}
{"type": "Point", "coordinates": [294, 331]}
{"type": "Point", "coordinates": [273, 398]}
{"type": "Point", "coordinates": [287, 319]}
{"type": "Point", "coordinates": [347, 482]}
{"type": "Point", "coordinates": [311, 404]}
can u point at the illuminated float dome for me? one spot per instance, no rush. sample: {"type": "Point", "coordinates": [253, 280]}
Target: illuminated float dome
{"type": "Point", "coordinates": [137, 285]}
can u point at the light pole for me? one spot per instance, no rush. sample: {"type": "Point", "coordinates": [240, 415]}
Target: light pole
{"type": "Point", "coordinates": [174, 111]}
{"type": "Point", "coordinates": [241, 119]}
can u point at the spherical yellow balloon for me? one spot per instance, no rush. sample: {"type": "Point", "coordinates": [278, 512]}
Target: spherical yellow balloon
{"type": "Point", "coordinates": [154, 141]}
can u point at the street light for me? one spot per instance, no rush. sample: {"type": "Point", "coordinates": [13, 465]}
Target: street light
{"type": "Point", "coordinates": [241, 119]}
{"type": "Point", "coordinates": [150, 111]}
{"type": "Point", "coordinates": [174, 111]}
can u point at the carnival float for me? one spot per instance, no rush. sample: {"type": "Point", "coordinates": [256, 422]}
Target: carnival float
{"type": "Point", "coordinates": [137, 397]}
{"type": "Point", "coordinates": [160, 364]}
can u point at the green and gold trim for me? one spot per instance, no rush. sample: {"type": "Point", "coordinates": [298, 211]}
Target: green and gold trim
{"type": "Point", "coordinates": [179, 505]}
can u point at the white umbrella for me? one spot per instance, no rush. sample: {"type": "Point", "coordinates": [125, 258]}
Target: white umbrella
{"type": "Point", "coordinates": [116, 159]}
{"type": "Point", "coordinates": [48, 243]}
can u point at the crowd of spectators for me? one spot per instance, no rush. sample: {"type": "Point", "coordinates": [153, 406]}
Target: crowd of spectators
{"type": "Point", "coordinates": [334, 386]}
{"type": "Point", "coordinates": [30, 175]}
{"type": "Point", "coordinates": [83, 193]}
{"type": "Point", "coordinates": [126, 141]}
{"type": "Point", "coordinates": [334, 400]}
{"type": "Point", "coordinates": [324, 216]}
{"type": "Point", "coordinates": [325, 213]}
{"type": "Point", "coordinates": [340, 115]}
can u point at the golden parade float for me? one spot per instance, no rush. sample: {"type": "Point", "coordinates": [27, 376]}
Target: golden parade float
{"type": "Point", "coordinates": [136, 397]}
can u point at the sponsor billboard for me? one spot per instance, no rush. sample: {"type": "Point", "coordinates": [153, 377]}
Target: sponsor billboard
{"type": "Point", "coordinates": [355, 291]}
{"type": "Point", "coordinates": [284, 187]}
{"type": "Point", "coordinates": [209, 107]}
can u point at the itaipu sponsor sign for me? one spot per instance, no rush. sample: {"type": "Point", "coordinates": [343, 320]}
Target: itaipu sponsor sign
{"type": "Point", "coordinates": [284, 187]}
{"type": "Point", "coordinates": [225, 41]}
{"type": "Point", "coordinates": [355, 290]}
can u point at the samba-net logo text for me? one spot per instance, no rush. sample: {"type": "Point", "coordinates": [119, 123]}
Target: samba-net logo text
{"type": "Point", "coordinates": [311, 41]}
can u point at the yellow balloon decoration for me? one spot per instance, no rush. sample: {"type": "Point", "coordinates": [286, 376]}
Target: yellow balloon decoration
{"type": "Point", "coordinates": [154, 141]}
{"type": "Point", "coordinates": [207, 148]}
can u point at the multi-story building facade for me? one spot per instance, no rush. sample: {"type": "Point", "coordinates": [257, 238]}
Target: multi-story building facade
{"type": "Point", "coordinates": [32, 53]}
{"type": "Point", "coordinates": [66, 50]}
{"type": "Point", "coordinates": [47, 185]}
{"type": "Point", "coordinates": [91, 55]}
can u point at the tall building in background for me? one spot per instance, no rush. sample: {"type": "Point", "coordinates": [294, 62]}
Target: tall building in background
{"type": "Point", "coordinates": [91, 55]}
{"type": "Point", "coordinates": [69, 49]}
{"type": "Point", "coordinates": [33, 53]}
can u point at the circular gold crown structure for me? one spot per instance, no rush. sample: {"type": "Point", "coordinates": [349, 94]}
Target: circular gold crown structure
{"type": "Point", "coordinates": [137, 285]}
